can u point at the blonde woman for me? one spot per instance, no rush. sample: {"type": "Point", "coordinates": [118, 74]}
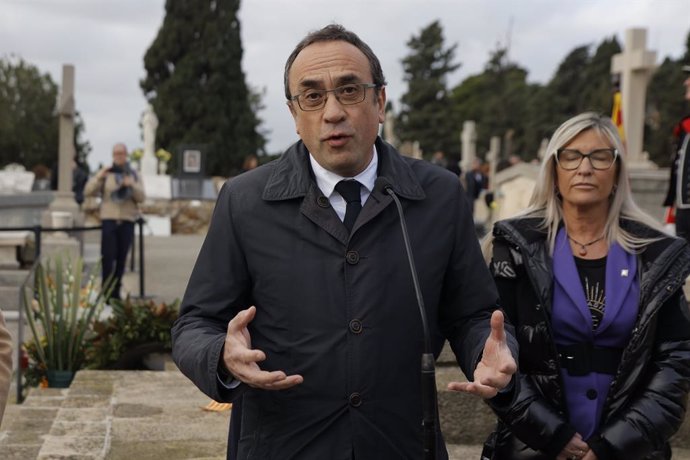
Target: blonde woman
{"type": "Point", "coordinates": [595, 291]}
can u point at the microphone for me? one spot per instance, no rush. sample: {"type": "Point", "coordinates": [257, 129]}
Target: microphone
{"type": "Point", "coordinates": [428, 362]}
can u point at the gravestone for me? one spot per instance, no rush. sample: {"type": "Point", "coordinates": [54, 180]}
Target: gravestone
{"type": "Point", "coordinates": [14, 178]}
{"type": "Point", "coordinates": [635, 66]}
{"type": "Point", "coordinates": [191, 182]}
{"type": "Point", "coordinates": [514, 186]}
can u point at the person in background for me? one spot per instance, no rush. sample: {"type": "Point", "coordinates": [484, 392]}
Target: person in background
{"type": "Point", "coordinates": [594, 289]}
{"type": "Point", "coordinates": [250, 162]}
{"type": "Point", "coordinates": [678, 195]}
{"type": "Point", "coordinates": [121, 191]}
{"type": "Point", "coordinates": [301, 303]}
{"type": "Point", "coordinates": [475, 180]}
{"type": "Point", "coordinates": [5, 364]}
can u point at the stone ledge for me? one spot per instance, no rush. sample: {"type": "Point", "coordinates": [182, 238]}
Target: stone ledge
{"type": "Point", "coordinates": [112, 415]}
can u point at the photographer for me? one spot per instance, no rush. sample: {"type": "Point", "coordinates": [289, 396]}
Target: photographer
{"type": "Point", "coordinates": [120, 190]}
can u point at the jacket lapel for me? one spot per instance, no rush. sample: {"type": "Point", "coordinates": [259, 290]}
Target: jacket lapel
{"type": "Point", "coordinates": [621, 272]}
{"type": "Point", "coordinates": [566, 275]}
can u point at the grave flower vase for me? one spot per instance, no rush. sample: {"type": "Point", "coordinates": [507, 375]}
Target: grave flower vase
{"type": "Point", "coordinates": [59, 379]}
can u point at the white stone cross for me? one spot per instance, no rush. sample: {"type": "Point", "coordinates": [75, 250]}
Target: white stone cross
{"type": "Point", "coordinates": [635, 65]}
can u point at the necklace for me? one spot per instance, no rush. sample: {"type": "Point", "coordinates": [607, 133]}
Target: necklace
{"type": "Point", "coordinates": [583, 247]}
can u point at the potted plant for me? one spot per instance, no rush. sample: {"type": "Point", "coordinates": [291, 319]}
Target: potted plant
{"type": "Point", "coordinates": [137, 330]}
{"type": "Point", "coordinates": [60, 316]}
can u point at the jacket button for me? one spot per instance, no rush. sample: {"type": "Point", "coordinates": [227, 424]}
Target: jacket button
{"type": "Point", "coordinates": [355, 400]}
{"type": "Point", "coordinates": [352, 257]}
{"type": "Point", "coordinates": [591, 394]}
{"type": "Point", "coordinates": [669, 288]}
{"type": "Point", "coordinates": [356, 326]}
{"type": "Point", "coordinates": [323, 202]}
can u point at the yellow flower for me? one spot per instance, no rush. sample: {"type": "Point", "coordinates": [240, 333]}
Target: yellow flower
{"type": "Point", "coordinates": [136, 154]}
{"type": "Point", "coordinates": [163, 155]}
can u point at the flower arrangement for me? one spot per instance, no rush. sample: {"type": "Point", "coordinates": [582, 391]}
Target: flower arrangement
{"type": "Point", "coordinates": [136, 327]}
{"type": "Point", "coordinates": [60, 316]}
{"type": "Point", "coordinates": [136, 154]}
{"type": "Point", "coordinates": [163, 155]}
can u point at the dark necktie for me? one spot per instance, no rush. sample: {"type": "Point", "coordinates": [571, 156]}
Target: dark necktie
{"type": "Point", "coordinates": [349, 189]}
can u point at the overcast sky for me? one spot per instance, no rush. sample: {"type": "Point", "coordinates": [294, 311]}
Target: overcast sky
{"type": "Point", "coordinates": [106, 40]}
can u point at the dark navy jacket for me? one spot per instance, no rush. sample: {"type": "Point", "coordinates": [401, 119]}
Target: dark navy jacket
{"type": "Point", "coordinates": [338, 309]}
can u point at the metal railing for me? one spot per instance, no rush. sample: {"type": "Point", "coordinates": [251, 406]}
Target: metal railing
{"type": "Point", "coordinates": [38, 230]}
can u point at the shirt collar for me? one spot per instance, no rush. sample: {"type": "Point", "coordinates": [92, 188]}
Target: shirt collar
{"type": "Point", "coordinates": [327, 180]}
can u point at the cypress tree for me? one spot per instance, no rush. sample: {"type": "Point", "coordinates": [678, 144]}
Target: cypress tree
{"type": "Point", "coordinates": [196, 84]}
{"type": "Point", "coordinates": [426, 115]}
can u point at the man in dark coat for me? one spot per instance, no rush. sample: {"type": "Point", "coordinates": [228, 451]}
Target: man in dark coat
{"type": "Point", "coordinates": [678, 195]}
{"type": "Point", "coordinates": [303, 308]}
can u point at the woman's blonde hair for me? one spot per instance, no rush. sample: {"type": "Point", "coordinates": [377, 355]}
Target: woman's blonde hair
{"type": "Point", "coordinates": [546, 204]}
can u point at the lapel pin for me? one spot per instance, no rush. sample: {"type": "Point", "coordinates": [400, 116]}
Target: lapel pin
{"type": "Point", "coordinates": [624, 272]}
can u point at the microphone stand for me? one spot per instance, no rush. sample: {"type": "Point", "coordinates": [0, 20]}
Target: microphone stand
{"type": "Point", "coordinates": [428, 361]}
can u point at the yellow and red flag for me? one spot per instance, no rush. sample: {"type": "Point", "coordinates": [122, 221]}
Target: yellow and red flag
{"type": "Point", "coordinates": [617, 114]}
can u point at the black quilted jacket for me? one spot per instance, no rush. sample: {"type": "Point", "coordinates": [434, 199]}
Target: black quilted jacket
{"type": "Point", "coordinates": [647, 401]}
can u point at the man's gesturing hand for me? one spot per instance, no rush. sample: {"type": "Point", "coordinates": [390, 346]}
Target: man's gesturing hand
{"type": "Point", "coordinates": [241, 360]}
{"type": "Point", "coordinates": [494, 371]}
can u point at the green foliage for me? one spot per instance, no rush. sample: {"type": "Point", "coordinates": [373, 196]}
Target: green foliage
{"type": "Point", "coordinates": [28, 123]}
{"type": "Point", "coordinates": [426, 114]}
{"type": "Point", "coordinates": [28, 120]}
{"type": "Point", "coordinates": [133, 323]}
{"type": "Point", "coordinates": [504, 104]}
{"type": "Point", "coordinates": [497, 99]}
{"type": "Point", "coordinates": [197, 87]}
{"type": "Point", "coordinates": [62, 314]}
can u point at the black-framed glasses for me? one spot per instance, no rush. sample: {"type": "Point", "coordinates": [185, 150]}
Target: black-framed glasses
{"type": "Point", "coordinates": [600, 159]}
{"type": "Point", "coordinates": [315, 99]}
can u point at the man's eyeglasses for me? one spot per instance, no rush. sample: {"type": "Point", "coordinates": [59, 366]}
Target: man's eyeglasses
{"type": "Point", "coordinates": [600, 159]}
{"type": "Point", "coordinates": [315, 99]}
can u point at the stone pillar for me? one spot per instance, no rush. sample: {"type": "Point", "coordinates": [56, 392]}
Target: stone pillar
{"type": "Point", "coordinates": [468, 138]}
{"type": "Point", "coordinates": [149, 123]}
{"type": "Point", "coordinates": [635, 66]}
{"type": "Point", "coordinates": [66, 151]}
{"type": "Point", "coordinates": [64, 197]}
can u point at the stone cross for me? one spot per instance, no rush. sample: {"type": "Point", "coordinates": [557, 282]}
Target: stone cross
{"type": "Point", "coordinates": [635, 65]}
{"type": "Point", "coordinates": [149, 123]}
{"type": "Point", "coordinates": [468, 138]}
{"type": "Point", "coordinates": [66, 112]}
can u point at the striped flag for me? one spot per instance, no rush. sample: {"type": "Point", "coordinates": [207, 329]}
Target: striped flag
{"type": "Point", "coordinates": [617, 114]}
